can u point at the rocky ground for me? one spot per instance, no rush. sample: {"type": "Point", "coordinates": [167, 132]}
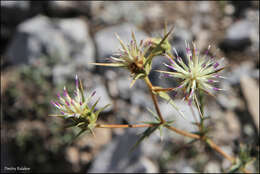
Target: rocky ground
{"type": "Point", "coordinates": [46, 43]}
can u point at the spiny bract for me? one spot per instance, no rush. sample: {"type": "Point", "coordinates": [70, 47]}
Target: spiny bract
{"type": "Point", "coordinates": [198, 74]}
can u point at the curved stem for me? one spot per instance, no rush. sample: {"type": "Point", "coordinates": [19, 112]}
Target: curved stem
{"type": "Point", "coordinates": [187, 134]}
{"type": "Point", "coordinates": [184, 133]}
{"type": "Point", "coordinates": [123, 125]}
{"type": "Point", "coordinates": [219, 150]}
{"type": "Point", "coordinates": [211, 143]}
{"type": "Point", "coordinates": [150, 86]}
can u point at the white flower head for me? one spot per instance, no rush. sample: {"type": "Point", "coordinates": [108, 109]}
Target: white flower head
{"type": "Point", "coordinates": [200, 72]}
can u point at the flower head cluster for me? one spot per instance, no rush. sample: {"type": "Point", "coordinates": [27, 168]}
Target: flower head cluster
{"type": "Point", "coordinates": [199, 73]}
{"type": "Point", "coordinates": [77, 107]}
{"type": "Point", "coordinates": [137, 58]}
{"type": "Point", "coordinates": [132, 56]}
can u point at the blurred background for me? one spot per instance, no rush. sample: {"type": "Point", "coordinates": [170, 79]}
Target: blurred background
{"type": "Point", "coordinates": [45, 44]}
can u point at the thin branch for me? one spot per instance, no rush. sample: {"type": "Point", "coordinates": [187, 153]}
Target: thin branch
{"type": "Point", "coordinates": [197, 104]}
{"type": "Point", "coordinates": [193, 114]}
{"type": "Point", "coordinates": [150, 86]}
{"type": "Point", "coordinates": [219, 150]}
{"type": "Point", "coordinates": [123, 125]}
{"type": "Point", "coordinates": [184, 133]}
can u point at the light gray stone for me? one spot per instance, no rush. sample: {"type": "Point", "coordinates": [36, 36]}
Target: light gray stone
{"type": "Point", "coordinates": [116, 11]}
{"type": "Point", "coordinates": [116, 157]}
{"type": "Point", "coordinates": [105, 99]}
{"type": "Point", "coordinates": [239, 30]}
{"type": "Point", "coordinates": [65, 43]}
{"type": "Point", "coordinates": [212, 167]}
{"type": "Point", "coordinates": [141, 98]}
{"type": "Point", "coordinates": [245, 68]}
{"type": "Point", "coordinates": [107, 43]}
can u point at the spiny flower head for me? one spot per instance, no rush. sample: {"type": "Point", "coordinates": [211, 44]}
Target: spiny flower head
{"type": "Point", "coordinates": [199, 73]}
{"type": "Point", "coordinates": [137, 58]}
{"type": "Point", "coordinates": [132, 56]}
{"type": "Point", "coordinates": [77, 107]}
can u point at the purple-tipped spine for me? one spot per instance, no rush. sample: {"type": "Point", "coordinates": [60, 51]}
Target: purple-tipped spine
{"type": "Point", "coordinates": [174, 93]}
{"type": "Point", "coordinates": [57, 104]}
{"type": "Point", "coordinates": [216, 89]}
{"type": "Point", "coordinates": [67, 103]}
{"type": "Point", "coordinates": [216, 65]}
{"type": "Point", "coordinates": [53, 103]}
{"type": "Point", "coordinates": [169, 66]}
{"type": "Point", "coordinates": [65, 93]}
{"type": "Point", "coordinates": [93, 93]}
{"type": "Point", "coordinates": [166, 75]}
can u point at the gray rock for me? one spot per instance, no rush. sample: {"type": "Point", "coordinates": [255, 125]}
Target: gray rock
{"type": "Point", "coordinates": [107, 43]}
{"type": "Point", "coordinates": [181, 166]}
{"type": "Point", "coordinates": [187, 169]}
{"type": "Point", "coordinates": [142, 99]}
{"type": "Point", "coordinates": [245, 68]}
{"type": "Point", "coordinates": [115, 12]}
{"type": "Point", "coordinates": [237, 36]}
{"type": "Point", "coordinates": [212, 167]}
{"type": "Point", "coordinates": [65, 43]}
{"type": "Point", "coordinates": [123, 87]}
{"type": "Point", "coordinates": [115, 157]}
{"type": "Point", "coordinates": [104, 97]}
{"type": "Point", "coordinates": [253, 17]}
{"type": "Point", "coordinates": [239, 30]}
{"type": "Point", "coordinates": [183, 123]}
{"type": "Point", "coordinates": [17, 4]}
{"type": "Point", "coordinates": [159, 79]}
{"type": "Point", "coordinates": [204, 7]}
{"type": "Point", "coordinates": [250, 91]}
{"type": "Point", "coordinates": [61, 73]}
{"type": "Point", "coordinates": [69, 8]}
{"type": "Point", "coordinates": [229, 100]}
{"type": "Point", "coordinates": [91, 83]}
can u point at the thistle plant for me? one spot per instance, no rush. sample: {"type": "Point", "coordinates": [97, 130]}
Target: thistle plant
{"type": "Point", "coordinates": [134, 56]}
{"type": "Point", "coordinates": [197, 78]}
{"type": "Point", "coordinates": [77, 109]}
{"type": "Point", "coordinates": [200, 73]}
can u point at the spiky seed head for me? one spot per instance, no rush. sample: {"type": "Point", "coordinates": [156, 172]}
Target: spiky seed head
{"type": "Point", "coordinates": [200, 73]}
{"type": "Point", "coordinates": [77, 107]}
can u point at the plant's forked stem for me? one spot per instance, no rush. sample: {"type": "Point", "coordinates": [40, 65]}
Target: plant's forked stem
{"type": "Point", "coordinates": [150, 86]}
